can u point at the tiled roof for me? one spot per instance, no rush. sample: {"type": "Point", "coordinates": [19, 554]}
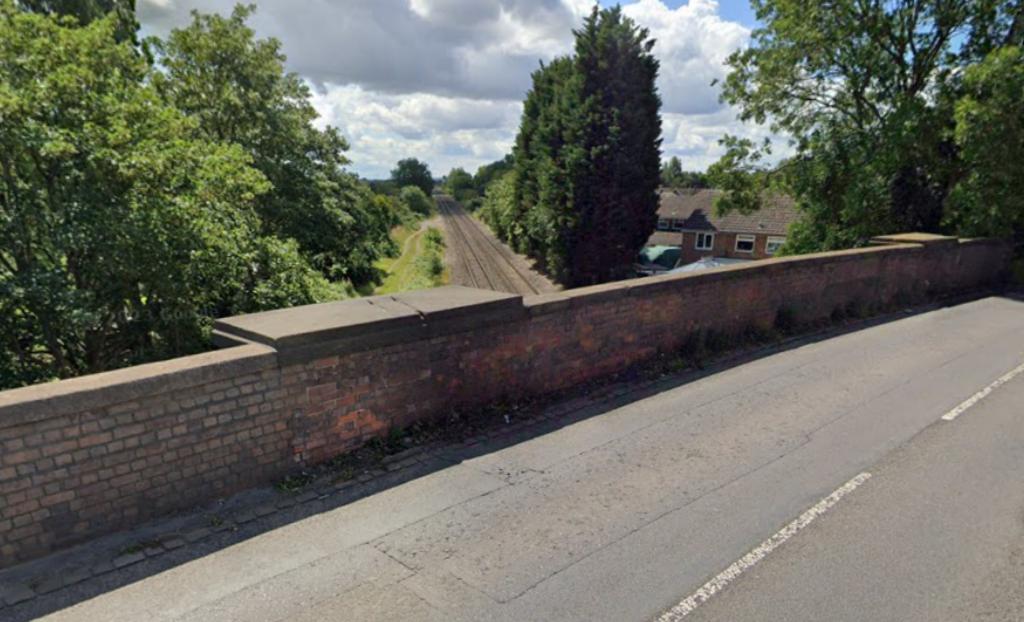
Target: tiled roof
{"type": "Point", "coordinates": [697, 207]}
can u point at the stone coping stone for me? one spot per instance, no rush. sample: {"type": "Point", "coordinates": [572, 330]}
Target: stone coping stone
{"type": "Point", "coordinates": [666, 283]}
{"type": "Point", "coordinates": [926, 239]}
{"type": "Point", "coordinates": [55, 399]}
{"type": "Point", "coordinates": [306, 333]}
{"type": "Point", "coordinates": [224, 341]}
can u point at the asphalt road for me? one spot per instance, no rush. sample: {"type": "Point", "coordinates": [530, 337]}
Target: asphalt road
{"type": "Point", "coordinates": [623, 516]}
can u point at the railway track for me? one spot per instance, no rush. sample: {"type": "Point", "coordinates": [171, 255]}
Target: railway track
{"type": "Point", "coordinates": [487, 265]}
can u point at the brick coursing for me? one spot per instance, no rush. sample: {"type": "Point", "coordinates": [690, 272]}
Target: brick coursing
{"type": "Point", "coordinates": [68, 475]}
{"type": "Point", "coordinates": [724, 246]}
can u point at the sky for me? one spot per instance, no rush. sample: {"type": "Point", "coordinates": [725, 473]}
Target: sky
{"type": "Point", "coordinates": [444, 80]}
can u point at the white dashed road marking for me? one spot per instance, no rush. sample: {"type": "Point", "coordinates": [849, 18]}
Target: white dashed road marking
{"type": "Point", "coordinates": [748, 561]}
{"type": "Point", "coordinates": [980, 395]}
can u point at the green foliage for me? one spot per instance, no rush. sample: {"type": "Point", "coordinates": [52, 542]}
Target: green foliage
{"type": "Point", "coordinates": [412, 172]}
{"type": "Point", "coordinates": [123, 232]}
{"type": "Point", "coordinates": [549, 158]}
{"type": "Point", "coordinates": [485, 177]}
{"type": "Point", "coordinates": [416, 201]}
{"type": "Point", "coordinates": [460, 185]}
{"type": "Point", "coordinates": [989, 134]}
{"type": "Point", "coordinates": [435, 239]}
{"type": "Point", "coordinates": [384, 187]}
{"type": "Point", "coordinates": [87, 11]}
{"type": "Point", "coordinates": [587, 157]}
{"type": "Point", "coordinates": [489, 173]}
{"type": "Point", "coordinates": [431, 262]}
{"type": "Point", "coordinates": [869, 93]}
{"type": "Point", "coordinates": [421, 264]}
{"type": "Point", "coordinates": [673, 176]}
{"type": "Point", "coordinates": [235, 86]}
{"type": "Point", "coordinates": [499, 212]}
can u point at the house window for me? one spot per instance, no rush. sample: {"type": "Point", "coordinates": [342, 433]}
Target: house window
{"type": "Point", "coordinates": [677, 225]}
{"type": "Point", "coordinates": [705, 241]}
{"type": "Point", "coordinates": [773, 245]}
{"type": "Point", "coordinates": [663, 224]}
{"type": "Point", "coordinates": [744, 244]}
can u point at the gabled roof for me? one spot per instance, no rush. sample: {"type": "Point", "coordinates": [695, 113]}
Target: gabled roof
{"type": "Point", "coordinates": [696, 209]}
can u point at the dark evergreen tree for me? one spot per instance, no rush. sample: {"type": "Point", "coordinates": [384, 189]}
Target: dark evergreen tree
{"type": "Point", "coordinates": [549, 159]}
{"type": "Point", "coordinates": [587, 158]}
{"type": "Point", "coordinates": [616, 195]}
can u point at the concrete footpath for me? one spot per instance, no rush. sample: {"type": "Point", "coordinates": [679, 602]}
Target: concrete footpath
{"type": "Point", "coordinates": [621, 506]}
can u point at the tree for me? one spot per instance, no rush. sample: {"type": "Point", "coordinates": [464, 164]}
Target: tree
{"type": "Point", "coordinates": [412, 172]}
{"type": "Point", "coordinates": [989, 198]}
{"type": "Point", "coordinates": [549, 159]}
{"type": "Point", "coordinates": [236, 87]}
{"type": "Point", "coordinates": [121, 234]}
{"type": "Point", "coordinates": [460, 185]}
{"type": "Point", "coordinates": [498, 209]}
{"type": "Point", "coordinates": [88, 11]}
{"type": "Point", "coordinates": [618, 193]}
{"type": "Point", "coordinates": [673, 176]}
{"type": "Point", "coordinates": [417, 202]}
{"type": "Point", "coordinates": [866, 91]}
{"type": "Point", "coordinates": [489, 173]}
{"type": "Point", "coordinates": [587, 157]}
{"type": "Point", "coordinates": [384, 187]}
{"type": "Point", "coordinates": [672, 173]}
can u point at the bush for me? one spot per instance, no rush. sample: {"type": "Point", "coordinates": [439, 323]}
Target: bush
{"type": "Point", "coordinates": [416, 201]}
{"type": "Point", "coordinates": [430, 264]}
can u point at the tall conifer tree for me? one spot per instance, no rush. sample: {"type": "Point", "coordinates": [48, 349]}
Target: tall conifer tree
{"type": "Point", "coordinates": [588, 154]}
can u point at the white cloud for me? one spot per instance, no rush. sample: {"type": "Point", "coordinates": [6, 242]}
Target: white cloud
{"type": "Point", "coordinates": [692, 45]}
{"type": "Point", "coordinates": [445, 132]}
{"type": "Point", "coordinates": [443, 80]}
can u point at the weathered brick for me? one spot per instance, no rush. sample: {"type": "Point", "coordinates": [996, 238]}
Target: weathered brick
{"type": "Point", "coordinates": [21, 457]}
{"type": "Point", "coordinates": [129, 430]}
{"type": "Point", "coordinates": [227, 434]}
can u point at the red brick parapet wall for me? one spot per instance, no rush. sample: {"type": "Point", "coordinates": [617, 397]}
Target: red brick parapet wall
{"type": "Point", "coordinates": [85, 457]}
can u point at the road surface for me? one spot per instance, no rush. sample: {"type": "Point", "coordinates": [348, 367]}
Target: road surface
{"type": "Point", "coordinates": [817, 483]}
{"type": "Point", "coordinates": [480, 260]}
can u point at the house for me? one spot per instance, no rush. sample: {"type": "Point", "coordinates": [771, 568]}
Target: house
{"type": "Point", "coordinates": [686, 219]}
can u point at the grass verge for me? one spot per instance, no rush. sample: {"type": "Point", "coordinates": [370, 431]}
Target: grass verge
{"type": "Point", "coordinates": [421, 264]}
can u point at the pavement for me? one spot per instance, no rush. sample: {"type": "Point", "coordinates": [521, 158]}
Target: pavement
{"type": "Point", "coordinates": [717, 489]}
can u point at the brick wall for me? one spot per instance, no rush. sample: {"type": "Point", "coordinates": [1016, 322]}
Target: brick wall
{"type": "Point", "coordinates": [84, 457]}
{"type": "Point", "coordinates": [724, 246]}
